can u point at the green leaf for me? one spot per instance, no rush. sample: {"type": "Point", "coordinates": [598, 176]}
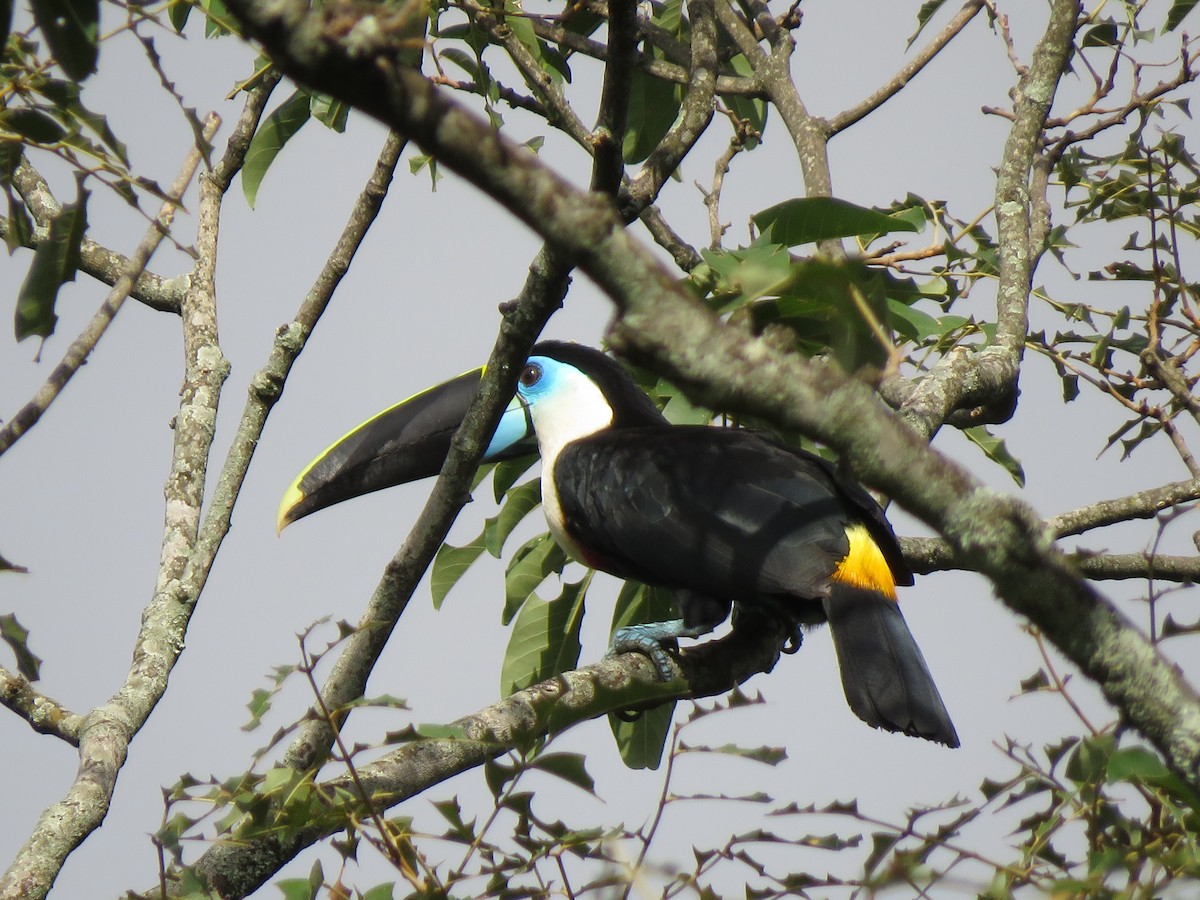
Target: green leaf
{"type": "Point", "coordinates": [178, 13]}
{"type": "Point", "coordinates": [803, 220]}
{"type": "Point", "coordinates": [20, 226]}
{"type": "Point", "coordinates": [72, 29]}
{"type": "Point", "coordinates": [653, 106]}
{"type": "Point", "coordinates": [329, 112]}
{"type": "Point", "coordinates": [435, 732]}
{"type": "Point", "coordinates": [768, 756]}
{"type": "Point", "coordinates": [1179, 10]}
{"type": "Point", "coordinates": [384, 891]}
{"type": "Point", "coordinates": [519, 503]}
{"type": "Point", "coordinates": [449, 565]}
{"type": "Point", "coordinates": [529, 567]}
{"type": "Point", "coordinates": [278, 128]}
{"type": "Point", "coordinates": [996, 450]}
{"type": "Point", "coordinates": [910, 322]}
{"type": "Point", "coordinates": [1102, 35]}
{"type": "Point", "coordinates": [17, 637]}
{"type": "Point", "coordinates": [32, 124]}
{"type": "Point", "coordinates": [505, 474]}
{"type": "Point", "coordinates": [641, 740]}
{"type": "Point", "coordinates": [1131, 763]}
{"type": "Point", "coordinates": [569, 767]}
{"type": "Point", "coordinates": [545, 638]}
{"type": "Point", "coordinates": [927, 11]}
{"type": "Point", "coordinates": [54, 263]}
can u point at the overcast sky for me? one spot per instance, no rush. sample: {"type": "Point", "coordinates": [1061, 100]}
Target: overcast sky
{"type": "Point", "coordinates": [81, 494]}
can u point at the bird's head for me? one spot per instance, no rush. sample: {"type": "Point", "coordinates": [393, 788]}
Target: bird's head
{"type": "Point", "coordinates": [565, 391]}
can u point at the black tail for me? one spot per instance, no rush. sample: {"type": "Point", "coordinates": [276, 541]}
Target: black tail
{"type": "Point", "coordinates": [884, 675]}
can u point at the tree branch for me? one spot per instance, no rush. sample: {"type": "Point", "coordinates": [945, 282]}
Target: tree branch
{"type": "Point", "coordinates": [104, 265]}
{"type": "Point", "coordinates": [926, 555]}
{"type": "Point", "coordinates": [236, 867]}
{"type": "Point", "coordinates": [105, 733]}
{"type": "Point", "coordinates": [81, 348]}
{"type": "Point", "coordinates": [44, 715]}
{"type": "Point", "coordinates": [987, 380]}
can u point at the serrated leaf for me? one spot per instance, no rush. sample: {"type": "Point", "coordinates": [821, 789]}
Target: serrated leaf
{"type": "Point", "coordinates": [768, 756]}
{"type": "Point", "coordinates": [434, 731]}
{"type": "Point", "coordinates": [65, 97]}
{"type": "Point", "coordinates": [805, 220]}
{"type": "Point", "coordinates": [449, 565]}
{"type": "Point", "coordinates": [54, 263]}
{"type": "Point", "coordinates": [72, 29]}
{"type": "Point", "coordinates": [529, 567]}
{"type": "Point", "coordinates": [518, 503]}
{"type": "Point", "coordinates": [296, 889]}
{"type": "Point", "coordinates": [17, 637]}
{"type": "Point", "coordinates": [273, 133]}
{"type": "Point", "coordinates": [545, 638]}
{"type": "Point", "coordinates": [1129, 763]}
{"type": "Point", "coordinates": [997, 451]}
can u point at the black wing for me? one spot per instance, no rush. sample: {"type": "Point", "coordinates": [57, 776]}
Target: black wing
{"type": "Point", "coordinates": [722, 512]}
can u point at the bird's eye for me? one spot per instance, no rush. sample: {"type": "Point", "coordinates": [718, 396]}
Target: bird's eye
{"type": "Point", "coordinates": [531, 374]}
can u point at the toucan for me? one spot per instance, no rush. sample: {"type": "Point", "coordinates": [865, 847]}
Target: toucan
{"type": "Point", "coordinates": [717, 515]}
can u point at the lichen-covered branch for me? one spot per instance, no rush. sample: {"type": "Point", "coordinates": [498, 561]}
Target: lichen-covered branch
{"type": "Point", "coordinates": [44, 715]}
{"type": "Point", "coordinates": [106, 731]}
{"type": "Point", "coordinates": [986, 381]}
{"type": "Point", "coordinates": [83, 345]}
{"type": "Point", "coordinates": [101, 263]}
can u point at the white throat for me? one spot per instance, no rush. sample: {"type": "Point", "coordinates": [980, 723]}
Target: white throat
{"type": "Point", "coordinates": [576, 409]}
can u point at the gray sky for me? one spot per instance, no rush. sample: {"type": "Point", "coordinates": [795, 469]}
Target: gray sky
{"type": "Point", "coordinates": [82, 493]}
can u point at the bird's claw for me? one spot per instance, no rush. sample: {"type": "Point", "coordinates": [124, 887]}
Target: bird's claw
{"type": "Point", "coordinates": [647, 640]}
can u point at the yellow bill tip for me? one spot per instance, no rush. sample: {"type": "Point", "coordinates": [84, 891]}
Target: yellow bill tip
{"type": "Point", "coordinates": [292, 496]}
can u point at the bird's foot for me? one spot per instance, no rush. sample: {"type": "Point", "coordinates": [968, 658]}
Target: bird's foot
{"type": "Point", "coordinates": [794, 641]}
{"type": "Point", "coordinates": [648, 639]}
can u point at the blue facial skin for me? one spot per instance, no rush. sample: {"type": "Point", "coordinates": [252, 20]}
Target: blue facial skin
{"type": "Point", "coordinates": [515, 425]}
